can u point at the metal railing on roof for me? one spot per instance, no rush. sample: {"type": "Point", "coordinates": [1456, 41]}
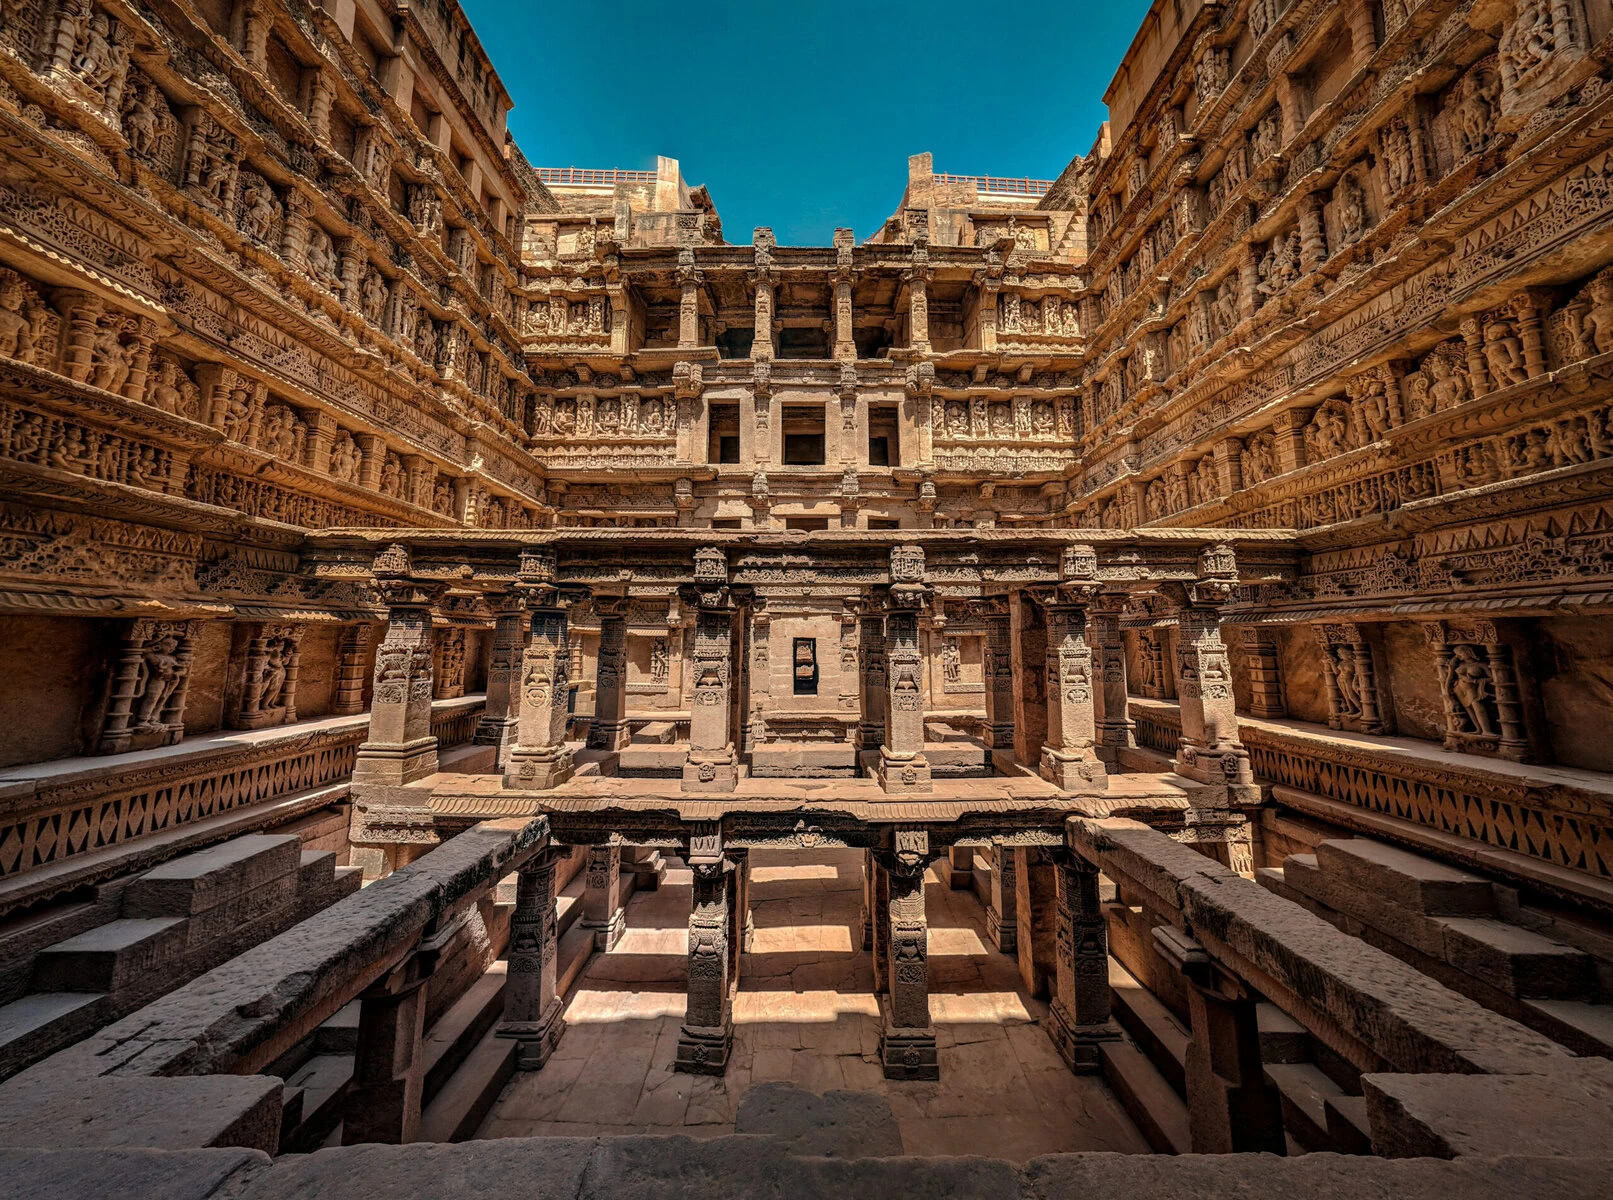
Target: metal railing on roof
{"type": "Point", "coordinates": [592, 176]}
{"type": "Point", "coordinates": [1000, 185]}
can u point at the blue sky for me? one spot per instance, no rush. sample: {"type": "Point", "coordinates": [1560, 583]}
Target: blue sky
{"type": "Point", "coordinates": [801, 116]}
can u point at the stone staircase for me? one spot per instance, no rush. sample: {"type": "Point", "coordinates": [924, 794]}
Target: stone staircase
{"type": "Point", "coordinates": [1323, 1110]}
{"type": "Point", "coordinates": [467, 1063]}
{"type": "Point", "coordinates": [74, 967]}
{"type": "Point", "coordinates": [1462, 929]}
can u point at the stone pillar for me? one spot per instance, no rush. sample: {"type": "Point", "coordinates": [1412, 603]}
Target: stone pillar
{"type": "Point", "coordinates": [845, 345]}
{"type": "Point", "coordinates": [907, 1048]}
{"type": "Point", "coordinates": [532, 1007]}
{"type": "Point", "coordinates": [961, 868]}
{"type": "Point", "coordinates": [389, 1065]}
{"type": "Point", "coordinates": [1079, 1014]}
{"type": "Point", "coordinates": [689, 281]}
{"type": "Point", "coordinates": [1265, 679]}
{"type": "Point", "coordinates": [744, 922]}
{"type": "Point", "coordinates": [401, 748]}
{"type": "Point", "coordinates": [713, 764]}
{"type": "Point", "coordinates": [602, 909]}
{"type": "Point", "coordinates": [869, 869]}
{"type": "Point", "coordinates": [762, 279]}
{"type": "Point", "coordinates": [1363, 33]}
{"type": "Point", "coordinates": [497, 724]}
{"type": "Point", "coordinates": [609, 730]}
{"type": "Point", "coordinates": [918, 309]}
{"type": "Point", "coordinates": [1002, 921]}
{"type": "Point", "coordinates": [1231, 1108]}
{"type": "Point", "coordinates": [1211, 752]}
{"type": "Point", "coordinates": [1035, 901]}
{"type": "Point", "coordinates": [999, 670]}
{"type": "Point", "coordinates": [1116, 730]}
{"type": "Point", "coordinates": [354, 645]}
{"type": "Point", "coordinates": [902, 765]}
{"type": "Point", "coordinates": [707, 1035]}
{"type": "Point", "coordinates": [1288, 432]}
{"type": "Point", "coordinates": [871, 662]}
{"type": "Point", "coordinates": [540, 757]}
{"type": "Point", "coordinates": [1069, 757]}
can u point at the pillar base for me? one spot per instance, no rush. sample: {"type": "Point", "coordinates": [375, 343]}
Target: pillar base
{"type": "Point", "coordinates": [710, 776]}
{"type": "Point", "coordinates": [536, 1040]}
{"type": "Point", "coordinates": [539, 769]}
{"type": "Point", "coordinates": [909, 1054]}
{"type": "Point", "coordinates": [1078, 1044]}
{"type": "Point", "coordinates": [1071, 773]}
{"type": "Point", "coordinates": [1226, 766]}
{"type": "Point", "coordinates": [899, 777]}
{"type": "Point", "coordinates": [395, 762]}
{"type": "Point", "coordinates": [1004, 936]}
{"type": "Point", "coordinates": [703, 1050]}
{"type": "Point", "coordinates": [608, 735]}
{"type": "Point", "coordinates": [608, 933]}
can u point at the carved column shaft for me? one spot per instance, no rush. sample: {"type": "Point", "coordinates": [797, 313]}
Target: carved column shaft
{"type": "Point", "coordinates": [712, 765]}
{"type": "Point", "coordinates": [903, 766]}
{"type": "Point", "coordinates": [1115, 729]}
{"type": "Point", "coordinates": [602, 895]}
{"type": "Point", "coordinates": [401, 747]}
{"type": "Point", "coordinates": [999, 668]}
{"type": "Point", "coordinates": [500, 719]}
{"type": "Point", "coordinates": [707, 1034]}
{"type": "Point", "coordinates": [540, 757]}
{"type": "Point", "coordinates": [609, 730]}
{"type": "Point", "coordinates": [1265, 680]}
{"type": "Point", "coordinates": [875, 694]}
{"type": "Point", "coordinates": [907, 1043]}
{"type": "Point", "coordinates": [1080, 1007]}
{"type": "Point", "coordinates": [1069, 758]}
{"type": "Point", "coordinates": [349, 697]}
{"type": "Point", "coordinates": [1211, 751]}
{"type": "Point", "coordinates": [532, 1006]}
{"type": "Point", "coordinates": [1002, 920]}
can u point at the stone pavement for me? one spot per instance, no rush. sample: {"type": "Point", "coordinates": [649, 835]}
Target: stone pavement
{"type": "Point", "coordinates": [806, 1014]}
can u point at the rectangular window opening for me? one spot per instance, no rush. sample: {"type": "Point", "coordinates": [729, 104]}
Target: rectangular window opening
{"type": "Point", "coordinates": [724, 442]}
{"type": "Point", "coordinates": [805, 664]}
{"type": "Point", "coordinates": [803, 436]}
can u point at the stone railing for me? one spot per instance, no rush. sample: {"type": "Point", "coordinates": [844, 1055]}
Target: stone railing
{"type": "Point", "coordinates": [1548, 826]}
{"type": "Point", "coordinates": [60, 821]}
{"type": "Point", "coordinates": [188, 1059]}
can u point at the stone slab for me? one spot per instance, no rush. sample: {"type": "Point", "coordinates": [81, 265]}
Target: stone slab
{"type": "Point", "coordinates": [200, 880]}
{"type": "Point", "coordinates": [110, 956]}
{"type": "Point", "coordinates": [785, 761]}
{"type": "Point", "coordinates": [1419, 883]}
{"type": "Point", "coordinates": [1567, 1113]}
{"type": "Point", "coordinates": [184, 1113]}
{"type": "Point", "coordinates": [128, 1174]}
{"type": "Point", "coordinates": [834, 1125]}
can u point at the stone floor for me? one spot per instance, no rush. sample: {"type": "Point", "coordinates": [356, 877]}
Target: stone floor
{"type": "Point", "coordinates": [806, 1014]}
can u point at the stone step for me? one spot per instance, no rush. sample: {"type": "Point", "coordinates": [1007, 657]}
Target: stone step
{"type": "Point", "coordinates": [1420, 884]}
{"type": "Point", "coordinates": [1152, 1026]}
{"type": "Point", "coordinates": [43, 1022]}
{"type": "Point", "coordinates": [1347, 1124]}
{"type": "Point", "coordinates": [1304, 1088]}
{"type": "Point", "coordinates": [575, 949]}
{"type": "Point", "coordinates": [323, 1081]}
{"type": "Point", "coordinates": [1516, 960]}
{"type": "Point", "coordinates": [458, 1110]}
{"type": "Point", "coordinates": [201, 880]}
{"type": "Point", "coordinates": [1153, 1105]}
{"type": "Point", "coordinates": [339, 1033]}
{"type": "Point", "coordinates": [655, 733]}
{"type": "Point", "coordinates": [1282, 1039]}
{"type": "Point", "coordinates": [109, 957]}
{"type": "Point", "coordinates": [315, 868]}
{"type": "Point", "coordinates": [450, 1041]}
{"type": "Point", "coordinates": [1583, 1027]}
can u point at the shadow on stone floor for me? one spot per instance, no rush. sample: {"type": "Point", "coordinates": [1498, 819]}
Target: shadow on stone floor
{"type": "Point", "coordinates": [806, 1014]}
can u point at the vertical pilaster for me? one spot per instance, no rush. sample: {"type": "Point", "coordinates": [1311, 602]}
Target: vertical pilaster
{"type": "Point", "coordinates": [540, 757]}
{"type": "Point", "coordinates": [1079, 1016]}
{"type": "Point", "coordinates": [532, 1006]}
{"type": "Point", "coordinates": [1069, 757]}
{"type": "Point", "coordinates": [354, 645]}
{"type": "Point", "coordinates": [707, 1035]}
{"type": "Point", "coordinates": [1116, 730]}
{"type": "Point", "coordinates": [1265, 676]}
{"type": "Point", "coordinates": [713, 764]}
{"type": "Point", "coordinates": [1211, 751]}
{"type": "Point", "coordinates": [499, 720]}
{"type": "Point", "coordinates": [845, 345]}
{"type": "Point", "coordinates": [999, 671]}
{"type": "Point", "coordinates": [907, 1047]}
{"type": "Point", "coordinates": [902, 765]}
{"type": "Point", "coordinates": [1002, 921]}
{"type": "Point", "coordinates": [871, 663]}
{"type": "Point", "coordinates": [602, 895]}
{"type": "Point", "coordinates": [401, 748]}
{"type": "Point", "coordinates": [609, 730]}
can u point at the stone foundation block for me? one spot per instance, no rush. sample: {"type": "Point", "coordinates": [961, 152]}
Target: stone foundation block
{"type": "Point", "coordinates": [909, 1054]}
